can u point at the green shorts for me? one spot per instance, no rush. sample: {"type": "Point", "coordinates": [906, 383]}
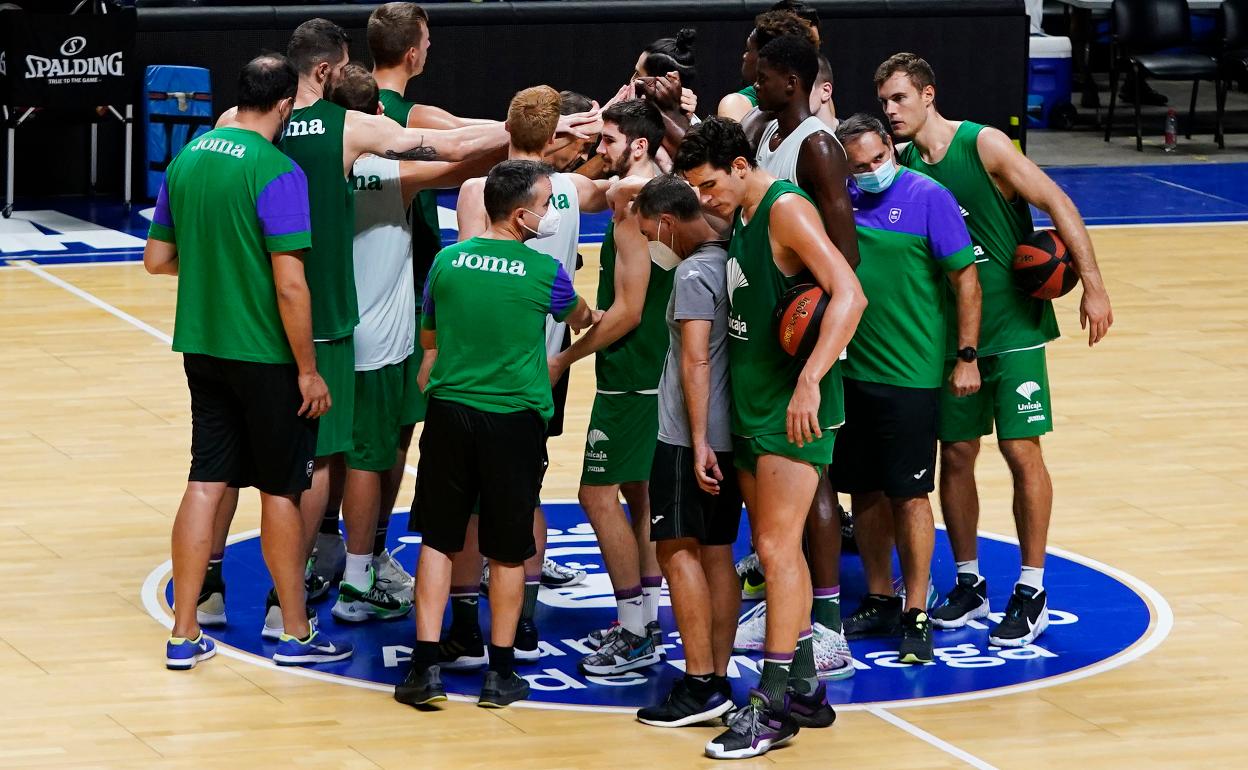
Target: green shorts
{"type": "Point", "coordinates": [378, 402]}
{"type": "Point", "coordinates": [412, 409]}
{"type": "Point", "coordinates": [1014, 394]}
{"type": "Point", "coordinates": [623, 430]}
{"type": "Point", "coordinates": [818, 453]}
{"type": "Point", "coordinates": [335, 360]}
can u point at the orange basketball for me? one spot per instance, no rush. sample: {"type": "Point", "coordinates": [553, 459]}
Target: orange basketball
{"type": "Point", "coordinates": [1042, 266]}
{"type": "Point", "coordinates": [798, 315]}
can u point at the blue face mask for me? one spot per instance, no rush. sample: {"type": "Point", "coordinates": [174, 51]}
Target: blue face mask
{"type": "Point", "coordinates": [879, 180]}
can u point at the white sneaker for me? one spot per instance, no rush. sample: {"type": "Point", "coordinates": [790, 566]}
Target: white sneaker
{"type": "Point", "coordinates": [211, 610]}
{"type": "Point", "coordinates": [899, 588]}
{"type": "Point", "coordinates": [751, 629]}
{"type": "Point", "coordinates": [555, 575]}
{"type": "Point", "coordinates": [329, 558]}
{"type": "Point", "coordinates": [832, 658]}
{"type": "Point", "coordinates": [391, 577]}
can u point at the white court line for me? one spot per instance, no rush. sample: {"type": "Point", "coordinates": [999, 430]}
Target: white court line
{"type": "Point", "coordinates": [94, 300]}
{"type": "Point", "coordinates": [931, 740]}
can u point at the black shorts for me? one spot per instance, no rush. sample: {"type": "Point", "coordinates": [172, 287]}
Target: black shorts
{"type": "Point", "coordinates": [888, 441]}
{"type": "Point", "coordinates": [678, 506]}
{"type": "Point", "coordinates": [560, 392]}
{"type": "Point", "coordinates": [466, 456]}
{"type": "Point", "coordinates": [245, 427]}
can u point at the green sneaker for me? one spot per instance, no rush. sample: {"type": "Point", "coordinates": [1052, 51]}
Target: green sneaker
{"type": "Point", "coordinates": [753, 583]}
{"type": "Point", "coordinates": [356, 605]}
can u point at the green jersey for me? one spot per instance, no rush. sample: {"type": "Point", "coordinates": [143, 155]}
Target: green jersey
{"type": "Point", "coordinates": [751, 93]}
{"type": "Point", "coordinates": [634, 362]}
{"type": "Point", "coordinates": [426, 231]}
{"type": "Point", "coordinates": [1011, 319]}
{"type": "Point", "coordinates": [488, 301]}
{"type": "Point", "coordinates": [909, 236]}
{"type": "Point", "coordinates": [763, 376]}
{"type": "Point", "coordinates": [229, 199]}
{"type": "Point", "coordinates": [314, 141]}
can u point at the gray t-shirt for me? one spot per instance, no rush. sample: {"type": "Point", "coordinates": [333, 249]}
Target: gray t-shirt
{"type": "Point", "coordinates": [699, 292]}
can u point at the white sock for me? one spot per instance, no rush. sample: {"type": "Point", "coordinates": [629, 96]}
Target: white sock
{"type": "Point", "coordinates": [650, 603]}
{"type": "Point", "coordinates": [632, 615]}
{"type": "Point", "coordinates": [969, 567]}
{"type": "Point", "coordinates": [356, 572]}
{"type": "Point", "coordinates": [1032, 576]}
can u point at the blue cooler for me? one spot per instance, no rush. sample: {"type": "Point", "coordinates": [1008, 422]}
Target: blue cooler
{"type": "Point", "coordinates": [1049, 83]}
{"type": "Point", "coordinates": [177, 107]}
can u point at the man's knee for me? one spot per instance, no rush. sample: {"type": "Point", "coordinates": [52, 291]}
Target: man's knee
{"type": "Point", "coordinates": [676, 551]}
{"type": "Point", "coordinates": [958, 456]}
{"type": "Point", "coordinates": [1023, 456]}
{"type": "Point", "coordinates": [595, 501]}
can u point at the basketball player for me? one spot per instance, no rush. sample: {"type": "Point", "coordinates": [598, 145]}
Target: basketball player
{"type": "Point", "coordinates": [994, 183]}
{"type": "Point", "coordinates": [785, 410]}
{"type": "Point", "coordinates": [767, 27]}
{"type": "Point", "coordinates": [913, 241]}
{"type": "Point", "coordinates": [232, 223]}
{"type": "Point", "coordinates": [631, 344]}
{"type": "Point", "coordinates": [531, 121]}
{"type": "Point", "coordinates": [483, 331]}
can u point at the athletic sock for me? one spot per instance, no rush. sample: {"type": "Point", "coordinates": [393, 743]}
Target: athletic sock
{"type": "Point", "coordinates": [651, 587]}
{"type": "Point", "coordinates": [356, 572]}
{"type": "Point", "coordinates": [629, 610]}
{"type": "Point", "coordinates": [379, 536]}
{"type": "Point", "coordinates": [531, 584]}
{"type": "Point", "coordinates": [969, 568]}
{"type": "Point", "coordinates": [424, 655]}
{"type": "Point", "coordinates": [1032, 576]}
{"type": "Point", "coordinates": [502, 659]}
{"type": "Point", "coordinates": [216, 558]}
{"type": "Point", "coordinates": [775, 677]}
{"type": "Point", "coordinates": [827, 608]}
{"type": "Point", "coordinates": [329, 522]}
{"type": "Point", "coordinates": [802, 675]}
{"type": "Point", "coordinates": [702, 686]}
{"type": "Point", "coordinates": [464, 601]}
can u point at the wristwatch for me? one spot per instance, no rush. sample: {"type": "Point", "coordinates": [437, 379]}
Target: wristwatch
{"type": "Point", "coordinates": [968, 354]}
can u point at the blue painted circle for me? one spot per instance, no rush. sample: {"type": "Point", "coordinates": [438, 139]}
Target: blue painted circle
{"type": "Point", "coordinates": [1092, 617]}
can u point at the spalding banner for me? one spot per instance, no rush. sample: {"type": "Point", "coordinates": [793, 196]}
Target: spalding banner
{"type": "Point", "coordinates": [66, 62]}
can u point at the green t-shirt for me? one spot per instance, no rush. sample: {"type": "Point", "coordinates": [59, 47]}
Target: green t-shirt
{"type": "Point", "coordinates": [314, 141]}
{"type": "Point", "coordinates": [1011, 320]}
{"type": "Point", "coordinates": [488, 300]}
{"type": "Point", "coordinates": [426, 231]}
{"type": "Point", "coordinates": [751, 93]}
{"type": "Point", "coordinates": [634, 362]}
{"type": "Point", "coordinates": [229, 199]}
{"type": "Point", "coordinates": [762, 375]}
{"type": "Point", "coordinates": [909, 236]}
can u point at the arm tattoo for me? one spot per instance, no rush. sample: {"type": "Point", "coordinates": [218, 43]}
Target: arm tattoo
{"type": "Point", "coordinates": [420, 152]}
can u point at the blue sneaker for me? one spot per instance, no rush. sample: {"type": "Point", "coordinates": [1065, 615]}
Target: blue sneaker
{"type": "Point", "coordinates": [314, 649]}
{"type": "Point", "coordinates": [182, 654]}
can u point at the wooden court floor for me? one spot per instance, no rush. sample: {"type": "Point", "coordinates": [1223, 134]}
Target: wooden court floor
{"type": "Point", "coordinates": [1148, 461]}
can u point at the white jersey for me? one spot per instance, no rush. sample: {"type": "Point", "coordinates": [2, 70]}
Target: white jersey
{"type": "Point", "coordinates": [562, 245]}
{"type": "Point", "coordinates": [384, 282]}
{"type": "Point", "coordinates": [782, 161]}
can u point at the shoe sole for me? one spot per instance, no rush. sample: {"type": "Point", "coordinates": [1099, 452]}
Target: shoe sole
{"type": "Point", "coordinates": [183, 664]}
{"type": "Point", "coordinates": [354, 615]}
{"type": "Point", "coordinates": [465, 662]}
{"type": "Point", "coordinates": [492, 702]}
{"type": "Point", "coordinates": [914, 659]}
{"type": "Point", "coordinates": [750, 593]}
{"type": "Point", "coordinates": [1023, 641]}
{"type": "Point", "coordinates": [979, 612]}
{"type": "Point", "coordinates": [576, 581]}
{"type": "Point", "coordinates": [836, 675]}
{"type": "Point", "coordinates": [426, 701]}
{"type": "Point", "coordinates": [692, 719]}
{"type": "Point", "coordinates": [209, 618]}
{"type": "Point", "coordinates": [623, 668]}
{"type": "Point", "coordinates": [746, 753]}
{"type": "Point", "coordinates": [275, 634]}
{"type": "Point", "coordinates": [307, 660]}
{"type": "Point", "coordinates": [527, 656]}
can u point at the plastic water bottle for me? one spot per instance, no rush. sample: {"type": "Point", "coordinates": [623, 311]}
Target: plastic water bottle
{"type": "Point", "coordinates": [1172, 131]}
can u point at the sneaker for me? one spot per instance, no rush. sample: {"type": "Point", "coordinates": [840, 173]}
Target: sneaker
{"type": "Point", "coordinates": [753, 583]}
{"type": "Point", "coordinates": [421, 689]}
{"type": "Point", "coordinates": [182, 654]}
{"type": "Point", "coordinates": [273, 629]}
{"type": "Point", "coordinates": [317, 588]}
{"type": "Point", "coordinates": [876, 616]}
{"type": "Point", "coordinates": [594, 640]}
{"type": "Point", "coordinates": [462, 650]}
{"type": "Point", "coordinates": [751, 629]}
{"type": "Point", "coordinates": [621, 652]}
{"type": "Point", "coordinates": [682, 708]}
{"type": "Point", "coordinates": [498, 692]}
{"type": "Point", "coordinates": [1026, 617]}
{"type": "Point", "coordinates": [356, 605]}
{"type": "Point", "coordinates": [329, 558]}
{"type": "Point", "coordinates": [967, 601]}
{"type": "Point", "coordinates": [753, 729]}
{"type": "Point", "coordinates": [526, 640]}
{"type": "Point", "coordinates": [848, 543]}
{"type": "Point", "coordinates": [391, 577]}
{"type": "Point", "coordinates": [899, 588]}
{"type": "Point", "coordinates": [832, 658]}
{"type": "Point", "coordinates": [555, 575]}
{"type": "Point", "coordinates": [655, 632]}
{"type": "Point", "coordinates": [916, 637]}
{"type": "Point", "coordinates": [210, 609]}
{"type": "Point", "coordinates": [314, 649]}
{"type": "Point", "coordinates": [811, 710]}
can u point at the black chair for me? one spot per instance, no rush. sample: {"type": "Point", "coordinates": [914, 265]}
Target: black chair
{"type": "Point", "coordinates": [1141, 28]}
{"type": "Point", "coordinates": [1233, 57]}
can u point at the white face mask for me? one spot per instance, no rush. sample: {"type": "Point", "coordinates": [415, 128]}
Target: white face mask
{"type": "Point", "coordinates": [546, 226]}
{"type": "Point", "coordinates": [660, 253]}
{"type": "Point", "coordinates": [879, 180]}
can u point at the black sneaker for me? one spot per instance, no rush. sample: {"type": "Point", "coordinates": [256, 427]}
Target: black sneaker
{"type": "Point", "coordinates": [421, 689]}
{"type": "Point", "coordinates": [848, 543]}
{"type": "Point", "coordinates": [525, 644]}
{"type": "Point", "coordinates": [682, 708]}
{"type": "Point", "coordinates": [916, 637]}
{"type": "Point", "coordinates": [754, 729]}
{"type": "Point", "coordinates": [210, 608]}
{"type": "Point", "coordinates": [1026, 617]}
{"type": "Point", "coordinates": [498, 692]}
{"type": "Point", "coordinates": [655, 632]}
{"type": "Point", "coordinates": [316, 586]}
{"type": "Point", "coordinates": [811, 710]}
{"type": "Point", "coordinates": [967, 601]}
{"type": "Point", "coordinates": [462, 649]}
{"type": "Point", "coordinates": [878, 615]}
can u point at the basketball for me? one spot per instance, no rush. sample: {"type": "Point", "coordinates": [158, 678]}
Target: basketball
{"type": "Point", "coordinates": [1042, 266]}
{"type": "Point", "coordinates": [798, 315]}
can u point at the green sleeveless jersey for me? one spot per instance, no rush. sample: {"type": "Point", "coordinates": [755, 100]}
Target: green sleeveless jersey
{"type": "Point", "coordinates": [763, 376]}
{"type": "Point", "coordinates": [1011, 319]}
{"type": "Point", "coordinates": [634, 362]}
{"type": "Point", "coordinates": [314, 141]}
{"type": "Point", "coordinates": [426, 232]}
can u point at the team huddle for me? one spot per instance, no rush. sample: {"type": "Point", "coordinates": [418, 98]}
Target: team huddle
{"type": "Point", "coordinates": [320, 320]}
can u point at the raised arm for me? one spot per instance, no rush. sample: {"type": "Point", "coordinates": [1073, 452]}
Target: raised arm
{"type": "Point", "coordinates": [428, 116]}
{"type": "Point", "coordinates": [382, 136]}
{"type": "Point", "coordinates": [470, 210]}
{"type": "Point", "coordinates": [415, 176]}
{"type": "Point", "coordinates": [591, 193]}
{"type": "Point", "coordinates": [822, 170]}
{"type": "Point", "coordinates": [294, 304]}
